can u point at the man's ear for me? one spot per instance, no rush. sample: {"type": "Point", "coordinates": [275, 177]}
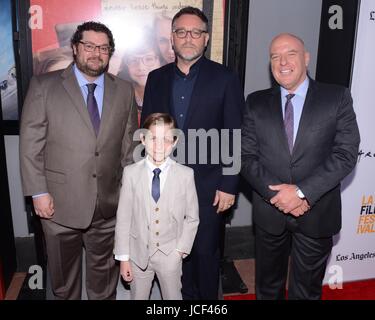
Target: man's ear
{"type": "Point", "coordinates": [142, 137]}
{"type": "Point", "coordinates": [175, 142]}
{"type": "Point", "coordinates": [207, 38]}
{"type": "Point", "coordinates": [74, 47]}
{"type": "Point", "coordinates": [307, 58]}
{"type": "Point", "coordinates": [172, 39]}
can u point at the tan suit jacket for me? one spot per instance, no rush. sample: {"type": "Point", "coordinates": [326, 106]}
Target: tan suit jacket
{"type": "Point", "coordinates": [177, 213]}
{"type": "Point", "coordinates": [60, 153]}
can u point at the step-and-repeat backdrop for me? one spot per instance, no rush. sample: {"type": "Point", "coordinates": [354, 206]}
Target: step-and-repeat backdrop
{"type": "Point", "coordinates": [353, 256]}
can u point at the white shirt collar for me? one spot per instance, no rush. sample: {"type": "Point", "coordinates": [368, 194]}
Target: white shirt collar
{"type": "Point", "coordinates": [82, 81]}
{"type": "Point", "coordinates": [300, 91]}
{"type": "Point", "coordinates": [162, 167]}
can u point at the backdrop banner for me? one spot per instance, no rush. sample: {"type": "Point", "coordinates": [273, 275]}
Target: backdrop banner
{"type": "Point", "coordinates": [353, 256]}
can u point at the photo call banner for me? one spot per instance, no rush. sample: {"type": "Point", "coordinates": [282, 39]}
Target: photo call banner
{"type": "Point", "coordinates": [353, 256]}
{"type": "Point", "coordinates": [141, 28]}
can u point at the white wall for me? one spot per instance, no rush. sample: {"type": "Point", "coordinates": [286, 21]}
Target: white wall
{"type": "Point", "coordinates": [267, 18]}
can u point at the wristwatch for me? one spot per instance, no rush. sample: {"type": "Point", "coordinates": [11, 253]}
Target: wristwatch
{"type": "Point", "coordinates": [300, 193]}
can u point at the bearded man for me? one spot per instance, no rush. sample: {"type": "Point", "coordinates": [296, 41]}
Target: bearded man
{"type": "Point", "coordinates": [76, 135]}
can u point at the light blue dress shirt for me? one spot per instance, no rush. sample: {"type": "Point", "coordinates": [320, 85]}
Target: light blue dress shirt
{"type": "Point", "coordinates": [99, 90]}
{"type": "Point", "coordinates": [298, 101]}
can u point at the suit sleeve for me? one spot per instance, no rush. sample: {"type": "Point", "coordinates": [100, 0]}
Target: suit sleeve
{"type": "Point", "coordinates": [147, 100]}
{"type": "Point", "coordinates": [234, 105]}
{"type": "Point", "coordinates": [131, 126]}
{"type": "Point", "coordinates": [342, 158]}
{"type": "Point", "coordinates": [33, 137]}
{"type": "Point", "coordinates": [191, 221]}
{"type": "Point", "coordinates": [124, 217]}
{"type": "Point", "coordinates": [251, 168]}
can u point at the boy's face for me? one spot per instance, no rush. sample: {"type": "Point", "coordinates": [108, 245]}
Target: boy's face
{"type": "Point", "coordinates": [159, 142]}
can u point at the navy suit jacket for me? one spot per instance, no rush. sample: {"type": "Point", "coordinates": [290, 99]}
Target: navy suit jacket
{"type": "Point", "coordinates": [217, 102]}
{"type": "Point", "coordinates": [324, 152]}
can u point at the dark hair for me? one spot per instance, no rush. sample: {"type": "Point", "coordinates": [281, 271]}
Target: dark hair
{"type": "Point", "coordinates": [154, 118]}
{"type": "Point", "coordinates": [92, 26]}
{"type": "Point", "coordinates": [192, 11]}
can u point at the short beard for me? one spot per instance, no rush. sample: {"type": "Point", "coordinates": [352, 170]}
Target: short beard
{"type": "Point", "coordinates": [90, 72]}
{"type": "Point", "coordinates": [188, 58]}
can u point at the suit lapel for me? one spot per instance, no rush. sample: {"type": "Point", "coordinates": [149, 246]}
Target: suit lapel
{"type": "Point", "coordinates": [73, 90]}
{"type": "Point", "coordinates": [166, 98]}
{"type": "Point", "coordinates": [203, 77]}
{"type": "Point", "coordinates": [108, 102]}
{"type": "Point", "coordinates": [169, 184]}
{"type": "Point", "coordinates": [145, 189]}
{"type": "Point", "coordinates": [306, 117]}
{"type": "Point", "coordinates": [277, 118]}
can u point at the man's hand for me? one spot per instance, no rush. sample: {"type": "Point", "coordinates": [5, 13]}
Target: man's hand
{"type": "Point", "coordinates": [44, 206]}
{"type": "Point", "coordinates": [286, 199]}
{"type": "Point", "coordinates": [225, 201]}
{"type": "Point", "coordinates": [126, 271]}
{"type": "Point", "coordinates": [299, 211]}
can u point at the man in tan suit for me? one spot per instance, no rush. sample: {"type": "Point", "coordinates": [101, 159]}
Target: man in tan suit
{"type": "Point", "coordinates": [157, 217]}
{"type": "Point", "coordinates": [76, 136]}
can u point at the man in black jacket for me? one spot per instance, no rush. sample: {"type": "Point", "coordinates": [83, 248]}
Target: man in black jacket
{"type": "Point", "coordinates": [201, 95]}
{"type": "Point", "coordinates": [299, 140]}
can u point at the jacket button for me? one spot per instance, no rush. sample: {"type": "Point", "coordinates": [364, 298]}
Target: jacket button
{"type": "Point", "coordinates": [94, 175]}
{"type": "Point", "coordinates": [157, 233]}
{"type": "Point", "coordinates": [157, 244]}
{"type": "Point", "coordinates": [147, 246]}
{"type": "Point", "coordinates": [96, 154]}
{"type": "Point", "coordinates": [157, 221]}
{"type": "Point", "coordinates": [156, 209]}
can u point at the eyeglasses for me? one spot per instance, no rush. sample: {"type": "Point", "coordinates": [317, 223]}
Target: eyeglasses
{"type": "Point", "coordinates": [89, 47]}
{"type": "Point", "coordinates": [148, 60]}
{"type": "Point", "coordinates": [195, 33]}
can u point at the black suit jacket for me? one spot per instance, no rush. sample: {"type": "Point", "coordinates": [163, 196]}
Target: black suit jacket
{"type": "Point", "coordinates": [325, 151]}
{"type": "Point", "coordinates": [217, 102]}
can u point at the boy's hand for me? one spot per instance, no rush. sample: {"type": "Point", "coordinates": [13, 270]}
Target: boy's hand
{"type": "Point", "coordinates": [126, 271]}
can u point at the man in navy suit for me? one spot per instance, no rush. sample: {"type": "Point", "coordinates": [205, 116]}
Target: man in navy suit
{"type": "Point", "coordinates": [299, 140]}
{"type": "Point", "coordinates": [200, 94]}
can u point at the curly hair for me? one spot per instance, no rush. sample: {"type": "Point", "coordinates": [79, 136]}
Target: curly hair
{"type": "Point", "coordinates": [92, 26]}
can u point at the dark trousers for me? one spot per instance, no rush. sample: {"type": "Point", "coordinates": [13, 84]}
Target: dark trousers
{"type": "Point", "coordinates": [64, 259]}
{"type": "Point", "coordinates": [201, 269]}
{"type": "Point", "coordinates": [308, 259]}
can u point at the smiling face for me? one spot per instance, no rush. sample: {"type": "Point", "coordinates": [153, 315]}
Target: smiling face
{"type": "Point", "coordinates": [92, 64]}
{"type": "Point", "coordinates": [289, 61]}
{"type": "Point", "coordinates": [189, 49]}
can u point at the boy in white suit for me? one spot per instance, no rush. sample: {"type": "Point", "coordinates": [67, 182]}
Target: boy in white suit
{"type": "Point", "coordinates": [157, 216]}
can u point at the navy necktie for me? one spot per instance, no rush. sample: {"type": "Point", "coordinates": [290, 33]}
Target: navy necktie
{"type": "Point", "coordinates": [289, 120]}
{"type": "Point", "coordinates": [155, 190]}
{"type": "Point", "coordinates": [92, 107]}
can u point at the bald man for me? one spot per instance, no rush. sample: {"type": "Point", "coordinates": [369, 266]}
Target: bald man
{"type": "Point", "coordinates": [299, 140]}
